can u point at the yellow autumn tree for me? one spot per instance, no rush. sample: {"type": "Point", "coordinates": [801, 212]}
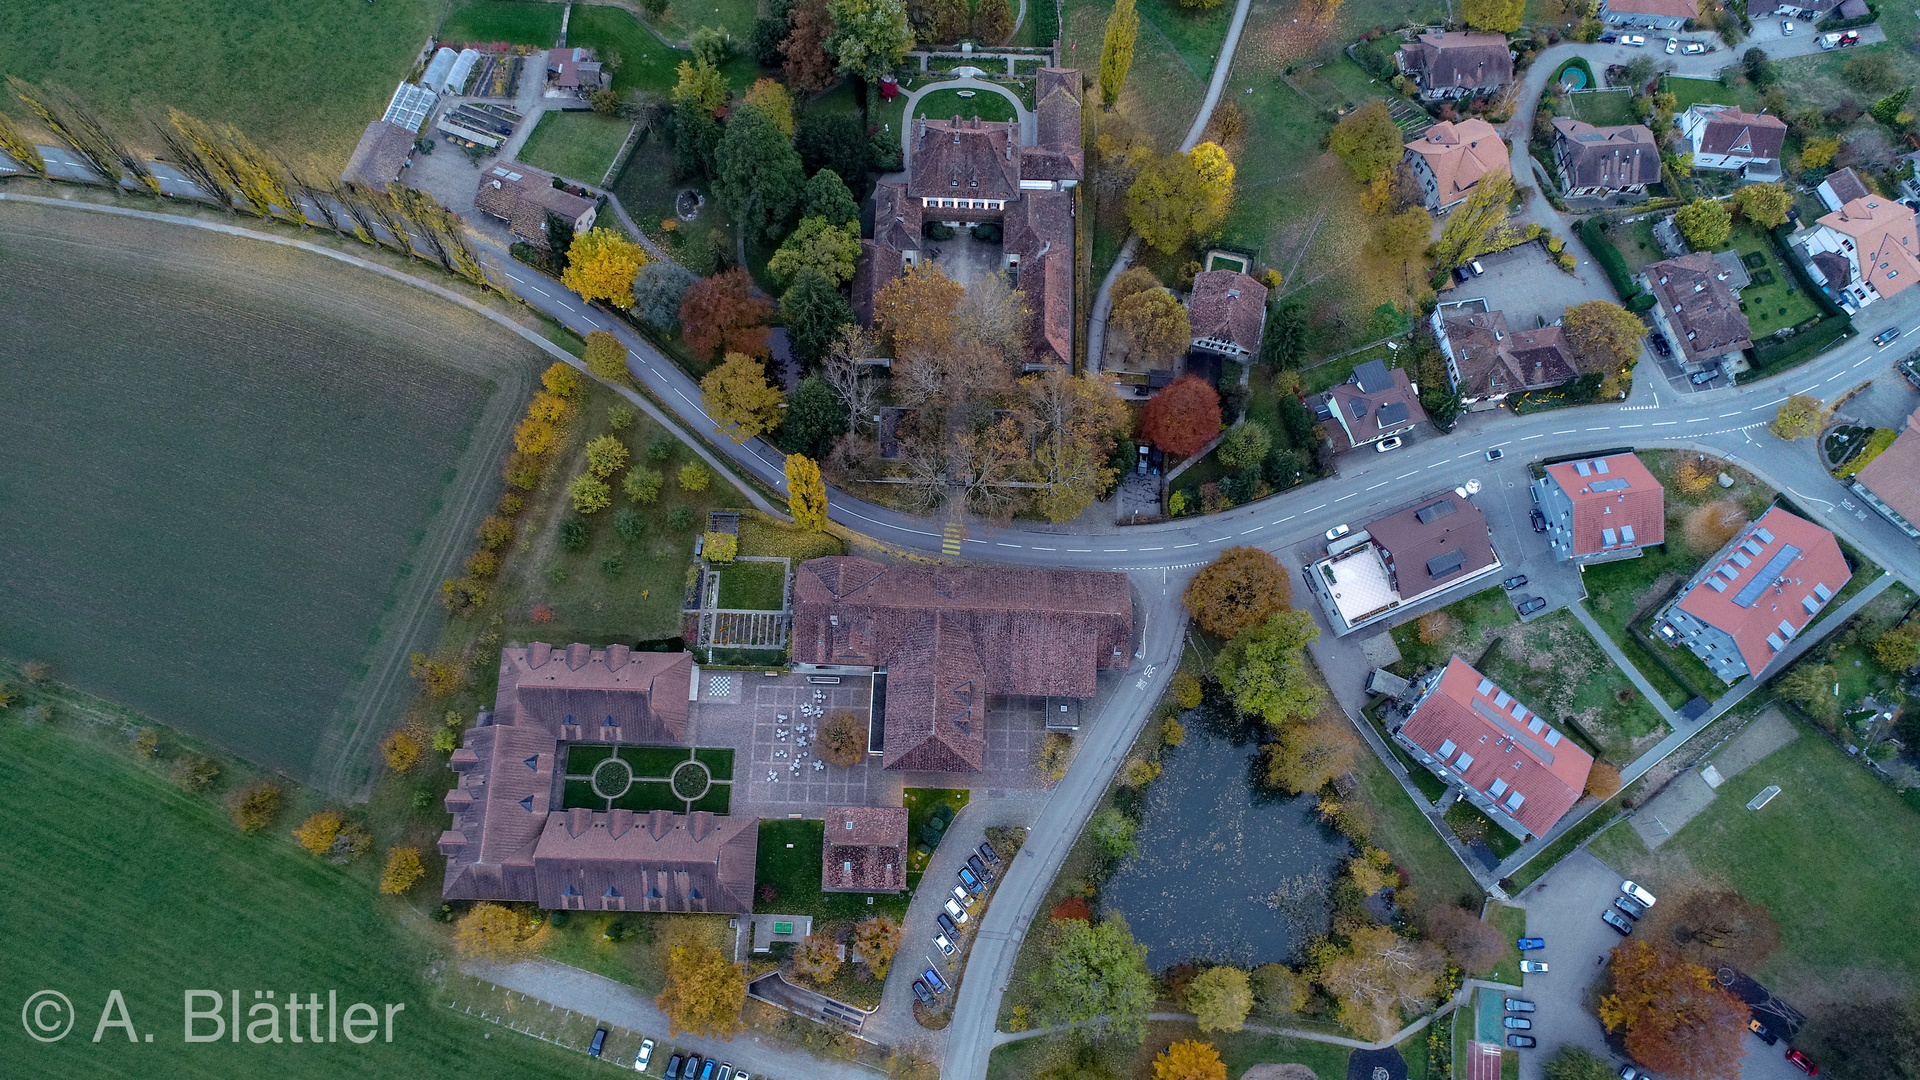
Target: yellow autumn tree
{"type": "Point", "coordinates": [739, 399]}
{"type": "Point", "coordinates": [1189, 1059]}
{"type": "Point", "coordinates": [806, 493]}
{"type": "Point", "coordinates": [704, 993]}
{"type": "Point", "coordinates": [402, 749]}
{"type": "Point", "coordinates": [601, 265]}
{"type": "Point", "coordinates": [404, 871]}
{"type": "Point", "coordinates": [318, 832]}
{"type": "Point", "coordinates": [772, 98]}
{"type": "Point", "coordinates": [494, 932]}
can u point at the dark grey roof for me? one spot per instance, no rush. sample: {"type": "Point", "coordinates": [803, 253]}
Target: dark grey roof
{"type": "Point", "coordinates": [1447, 562]}
{"type": "Point", "coordinates": [1393, 412]}
{"type": "Point", "coordinates": [1371, 377]}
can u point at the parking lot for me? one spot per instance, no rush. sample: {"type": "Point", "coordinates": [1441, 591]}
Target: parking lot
{"type": "Point", "coordinates": [1526, 284]}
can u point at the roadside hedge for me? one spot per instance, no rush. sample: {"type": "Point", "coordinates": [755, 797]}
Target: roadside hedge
{"type": "Point", "coordinates": [1775, 356]}
{"type": "Point", "coordinates": [1614, 263]}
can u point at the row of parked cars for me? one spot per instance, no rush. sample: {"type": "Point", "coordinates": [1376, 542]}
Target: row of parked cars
{"type": "Point", "coordinates": [975, 875]}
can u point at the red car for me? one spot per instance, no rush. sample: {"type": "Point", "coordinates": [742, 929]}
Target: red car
{"type": "Point", "coordinates": [1802, 1062]}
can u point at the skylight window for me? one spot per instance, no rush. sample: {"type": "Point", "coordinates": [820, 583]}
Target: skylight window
{"type": "Point", "coordinates": [1553, 737]}
{"type": "Point", "coordinates": [1465, 761]}
{"type": "Point", "coordinates": [1497, 788]}
{"type": "Point", "coordinates": [1485, 687]}
{"type": "Point", "coordinates": [1446, 749]}
{"type": "Point", "coordinates": [1514, 800]}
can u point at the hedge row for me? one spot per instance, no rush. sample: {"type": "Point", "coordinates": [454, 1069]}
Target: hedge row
{"type": "Point", "coordinates": [1614, 263]}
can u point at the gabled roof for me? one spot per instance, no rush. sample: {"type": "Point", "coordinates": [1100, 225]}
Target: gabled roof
{"type": "Point", "coordinates": [1607, 157]}
{"type": "Point", "coordinates": [864, 849]}
{"type": "Point", "coordinates": [1493, 360]}
{"type": "Point", "coordinates": [964, 159]}
{"type": "Point", "coordinates": [1499, 747]}
{"type": "Point", "coordinates": [1693, 292]}
{"type": "Point", "coordinates": [1728, 130]}
{"type": "Point", "coordinates": [1885, 241]}
{"type": "Point", "coordinates": [1667, 9]}
{"type": "Point", "coordinates": [1617, 504]}
{"type": "Point", "coordinates": [383, 150]}
{"type": "Point", "coordinates": [1846, 185]}
{"type": "Point", "coordinates": [659, 861]}
{"type": "Point", "coordinates": [1057, 111]}
{"type": "Point", "coordinates": [572, 68]}
{"type": "Point", "coordinates": [1894, 476]}
{"type": "Point", "coordinates": [600, 695]}
{"type": "Point", "coordinates": [1456, 60]}
{"type": "Point", "coordinates": [896, 231]}
{"type": "Point", "coordinates": [1229, 306]}
{"type": "Point", "coordinates": [1440, 539]}
{"type": "Point", "coordinates": [1768, 583]}
{"type": "Point", "coordinates": [1373, 401]}
{"type": "Point", "coordinates": [489, 846]}
{"type": "Point", "coordinates": [522, 196]}
{"type": "Point", "coordinates": [1460, 153]}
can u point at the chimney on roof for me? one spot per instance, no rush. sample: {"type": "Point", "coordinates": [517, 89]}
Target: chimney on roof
{"type": "Point", "coordinates": [617, 656]}
{"type": "Point", "coordinates": [538, 653]}
{"type": "Point", "coordinates": [452, 842]}
{"type": "Point", "coordinates": [700, 824]}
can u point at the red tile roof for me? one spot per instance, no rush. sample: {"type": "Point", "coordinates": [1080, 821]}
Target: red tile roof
{"type": "Point", "coordinates": [660, 861]}
{"type": "Point", "coordinates": [1227, 305]}
{"type": "Point", "coordinates": [1508, 750]}
{"type": "Point", "coordinates": [1894, 476]}
{"type": "Point", "coordinates": [583, 694]}
{"type": "Point", "coordinates": [1700, 305]}
{"type": "Point", "coordinates": [1753, 610]}
{"type": "Point", "coordinates": [1888, 243]}
{"type": "Point", "coordinates": [864, 849]}
{"type": "Point", "coordinates": [1623, 496]}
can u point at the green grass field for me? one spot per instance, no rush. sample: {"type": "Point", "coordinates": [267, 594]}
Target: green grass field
{"type": "Point", "coordinates": [518, 22]}
{"type": "Point", "coordinates": [577, 144]}
{"type": "Point", "coordinates": [1512, 922]}
{"type": "Point", "coordinates": [176, 898]}
{"type": "Point", "coordinates": [789, 861]}
{"type": "Point", "coordinates": [250, 469]}
{"type": "Point", "coordinates": [1835, 858]}
{"type": "Point", "coordinates": [1240, 1050]}
{"type": "Point", "coordinates": [947, 104]}
{"type": "Point", "coordinates": [1690, 92]}
{"type": "Point", "coordinates": [755, 586]}
{"type": "Point", "coordinates": [1778, 303]}
{"type": "Point", "coordinates": [1602, 108]}
{"type": "Point", "coordinates": [300, 77]}
{"type": "Point", "coordinates": [646, 63]}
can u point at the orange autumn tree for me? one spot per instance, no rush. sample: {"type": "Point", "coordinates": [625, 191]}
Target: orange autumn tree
{"type": "Point", "coordinates": [1183, 417]}
{"type": "Point", "coordinates": [722, 313]}
{"type": "Point", "coordinates": [1677, 1019]}
{"type": "Point", "coordinates": [1242, 588]}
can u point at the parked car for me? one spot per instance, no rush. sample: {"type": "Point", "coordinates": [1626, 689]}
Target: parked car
{"type": "Point", "coordinates": [1477, 268]}
{"type": "Point", "coordinates": [1628, 1072]}
{"type": "Point", "coordinates": [944, 944]}
{"type": "Point", "coordinates": [1828, 41]}
{"type": "Point", "coordinates": [725, 1073]}
{"type": "Point", "coordinates": [1519, 1005]}
{"type": "Point", "coordinates": [1392, 443]}
{"type": "Point", "coordinates": [1338, 531]}
{"type": "Point", "coordinates": [1635, 40]}
{"type": "Point", "coordinates": [947, 924]}
{"type": "Point", "coordinates": [1673, 45]}
{"type": "Point", "coordinates": [961, 894]}
{"type": "Point", "coordinates": [673, 1067]}
{"type": "Point", "coordinates": [979, 868]}
{"type": "Point", "coordinates": [1760, 1029]}
{"type": "Point", "coordinates": [1702, 378]}
{"type": "Point", "coordinates": [1514, 582]}
{"type": "Point", "coordinates": [1538, 519]}
{"type": "Point", "coordinates": [1628, 908]}
{"type": "Point", "coordinates": [921, 994]}
{"type": "Point", "coordinates": [1802, 1062]}
{"type": "Point", "coordinates": [934, 982]}
{"type": "Point", "coordinates": [1522, 1042]}
{"type": "Point", "coordinates": [707, 1070]}
{"type": "Point", "coordinates": [1496, 454]}
{"type": "Point", "coordinates": [1659, 342]}
{"type": "Point", "coordinates": [1786, 27]}
{"type": "Point", "coordinates": [967, 879]}
{"type": "Point", "coordinates": [1612, 918]}
{"type": "Point", "coordinates": [1850, 39]}
{"type": "Point", "coordinates": [959, 913]}
{"type": "Point", "coordinates": [1885, 337]}
{"type": "Point", "coordinates": [1529, 943]}
{"type": "Point", "coordinates": [645, 1055]}
{"type": "Point", "coordinates": [1530, 605]}
{"type": "Point", "coordinates": [1140, 463]}
{"type": "Point", "coordinates": [1534, 966]}
{"type": "Point", "coordinates": [1460, 274]}
{"type": "Point", "coordinates": [1516, 1023]}
{"type": "Point", "coordinates": [1692, 48]}
{"type": "Point", "coordinates": [1637, 894]}
{"type": "Point", "coordinates": [599, 1043]}
{"type": "Point", "coordinates": [742, 1076]}
{"type": "Point", "coordinates": [987, 853]}
{"type": "Point", "coordinates": [1608, 39]}
{"type": "Point", "coordinates": [692, 1071]}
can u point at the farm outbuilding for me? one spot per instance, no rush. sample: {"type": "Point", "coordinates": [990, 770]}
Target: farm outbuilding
{"type": "Point", "coordinates": [456, 80]}
{"type": "Point", "coordinates": [439, 68]}
{"type": "Point", "coordinates": [384, 150]}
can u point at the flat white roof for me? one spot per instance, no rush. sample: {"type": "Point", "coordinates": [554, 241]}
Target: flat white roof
{"type": "Point", "coordinates": [1361, 585]}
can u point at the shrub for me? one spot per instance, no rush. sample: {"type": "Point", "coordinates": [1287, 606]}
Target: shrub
{"type": "Point", "coordinates": [402, 750]}
{"type": "Point", "coordinates": [620, 417]}
{"type": "Point", "coordinates": [694, 476]}
{"type": "Point", "coordinates": [524, 471]}
{"type": "Point", "coordinates": [659, 448]}
{"type": "Point", "coordinates": [606, 455]}
{"type": "Point", "coordinates": [494, 533]}
{"type": "Point", "coordinates": [629, 525]}
{"type": "Point", "coordinates": [680, 517]}
{"type": "Point", "coordinates": [255, 806]}
{"type": "Point", "coordinates": [483, 564]}
{"type": "Point", "coordinates": [194, 772]}
{"type": "Point", "coordinates": [642, 485]}
{"type": "Point", "coordinates": [319, 831]}
{"type": "Point", "coordinates": [560, 380]}
{"type": "Point", "coordinates": [1186, 690]}
{"type": "Point", "coordinates": [720, 547]}
{"type": "Point", "coordinates": [589, 493]}
{"type": "Point", "coordinates": [404, 871]}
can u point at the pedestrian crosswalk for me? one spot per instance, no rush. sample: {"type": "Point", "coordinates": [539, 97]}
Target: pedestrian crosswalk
{"type": "Point", "coordinates": [950, 544]}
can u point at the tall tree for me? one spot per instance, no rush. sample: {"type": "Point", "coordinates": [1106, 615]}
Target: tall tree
{"type": "Point", "coordinates": [1181, 196]}
{"type": "Point", "coordinates": [1284, 342]}
{"type": "Point", "coordinates": [1765, 205]}
{"type": "Point", "coordinates": [1182, 417]}
{"type": "Point", "coordinates": [836, 141]}
{"type": "Point", "coordinates": [701, 86]}
{"type": "Point", "coordinates": [938, 22]}
{"type": "Point", "coordinates": [814, 311]}
{"type": "Point", "coordinates": [493, 933]}
{"type": "Point", "coordinates": [1189, 1059]}
{"type": "Point", "coordinates": [757, 174]}
{"type": "Point", "coordinates": [870, 37]}
{"type": "Point", "coordinates": [657, 292]}
{"type": "Point", "coordinates": [1221, 997]}
{"type": "Point", "coordinates": [1310, 752]}
{"type": "Point", "coordinates": [829, 199]}
{"type": "Point", "coordinates": [808, 66]}
{"type": "Point", "coordinates": [1148, 321]}
{"type": "Point", "coordinates": [21, 149]}
{"type": "Point", "coordinates": [1675, 1018]}
{"type": "Point", "coordinates": [721, 312]}
{"type": "Point", "coordinates": [1801, 416]}
{"type": "Point", "coordinates": [1474, 943]}
{"type": "Point", "coordinates": [851, 380]}
{"type": "Point", "coordinates": [601, 265]}
{"type": "Point", "coordinates": [918, 312]}
{"type": "Point", "coordinates": [1097, 974]}
{"type": "Point", "coordinates": [1500, 16]}
{"type": "Point", "coordinates": [704, 992]}
{"type": "Point", "coordinates": [772, 98]}
{"type": "Point", "coordinates": [817, 244]}
{"type": "Point", "coordinates": [606, 357]}
{"type": "Point", "coordinates": [1116, 51]}
{"type": "Point", "coordinates": [1368, 140]}
{"type": "Point", "coordinates": [877, 940]}
{"type": "Point", "coordinates": [1603, 336]}
{"type": "Point", "coordinates": [992, 21]}
{"type": "Point", "coordinates": [1241, 589]}
{"type": "Point", "coordinates": [737, 397]}
{"type": "Point", "coordinates": [814, 419]}
{"type": "Point", "coordinates": [1079, 418]}
{"type": "Point", "coordinates": [1264, 669]}
{"type": "Point", "coordinates": [1715, 927]}
{"type": "Point", "coordinates": [1705, 223]}
{"type": "Point", "coordinates": [806, 493]}
{"type": "Point", "coordinates": [1478, 225]}
{"type": "Point", "coordinates": [1381, 974]}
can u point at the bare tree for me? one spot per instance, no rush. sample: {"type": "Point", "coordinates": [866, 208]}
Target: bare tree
{"type": "Point", "coordinates": [990, 464]}
{"type": "Point", "coordinates": [925, 473]}
{"type": "Point", "coordinates": [850, 379]}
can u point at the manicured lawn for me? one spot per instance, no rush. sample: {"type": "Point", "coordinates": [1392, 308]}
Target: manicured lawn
{"type": "Point", "coordinates": [1602, 108]}
{"type": "Point", "coordinates": [195, 903]}
{"type": "Point", "coordinates": [1690, 92]}
{"type": "Point", "coordinates": [921, 804]}
{"type": "Point", "coordinates": [1463, 1032]}
{"type": "Point", "coordinates": [947, 104]}
{"type": "Point", "coordinates": [762, 535]}
{"type": "Point", "coordinates": [734, 16]}
{"type": "Point", "coordinates": [1835, 858]}
{"type": "Point", "coordinates": [577, 144]}
{"type": "Point", "coordinates": [1403, 831]}
{"type": "Point", "coordinates": [757, 586]}
{"type": "Point", "coordinates": [1324, 377]}
{"type": "Point", "coordinates": [300, 78]}
{"type": "Point", "coordinates": [244, 549]}
{"type": "Point", "coordinates": [518, 22]}
{"type": "Point", "coordinates": [651, 775]}
{"type": "Point", "coordinates": [1636, 243]}
{"type": "Point", "coordinates": [1777, 304]}
{"type": "Point", "coordinates": [789, 861]}
{"type": "Point", "coordinates": [1512, 922]}
{"type": "Point", "coordinates": [645, 63]}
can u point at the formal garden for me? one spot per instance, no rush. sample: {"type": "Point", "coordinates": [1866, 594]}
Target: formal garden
{"type": "Point", "coordinates": [645, 778]}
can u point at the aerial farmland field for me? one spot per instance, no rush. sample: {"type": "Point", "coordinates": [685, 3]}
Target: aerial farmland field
{"type": "Point", "coordinates": [236, 475]}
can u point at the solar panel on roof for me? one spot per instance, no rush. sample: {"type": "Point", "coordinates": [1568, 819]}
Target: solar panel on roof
{"type": "Point", "coordinates": [1775, 642]}
{"type": "Point", "coordinates": [1514, 800]}
{"type": "Point", "coordinates": [1613, 484]}
{"type": "Point", "coordinates": [1581, 468]}
{"type": "Point", "coordinates": [1768, 574]}
{"type": "Point", "coordinates": [1485, 687]}
{"type": "Point", "coordinates": [1393, 412]}
{"type": "Point", "coordinates": [1448, 563]}
{"type": "Point", "coordinates": [1825, 594]}
{"type": "Point", "coordinates": [1433, 512]}
{"type": "Point", "coordinates": [1626, 534]}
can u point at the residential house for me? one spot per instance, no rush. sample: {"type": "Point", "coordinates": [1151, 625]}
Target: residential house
{"type": "Point", "coordinates": [1227, 310]}
{"type": "Point", "coordinates": [1698, 310]}
{"type": "Point", "coordinates": [573, 73]}
{"type": "Point", "coordinates": [1725, 137]}
{"type": "Point", "coordinates": [941, 639]}
{"type": "Point", "coordinates": [1373, 404]}
{"type": "Point", "coordinates": [1486, 361]}
{"type": "Point", "coordinates": [1601, 509]}
{"type": "Point", "coordinates": [1866, 250]}
{"type": "Point", "coordinates": [1455, 64]}
{"type": "Point", "coordinates": [1502, 757]}
{"type": "Point", "coordinates": [385, 148]}
{"type": "Point", "coordinates": [1649, 14]}
{"type": "Point", "coordinates": [1451, 157]}
{"type": "Point", "coordinates": [1841, 187]}
{"type": "Point", "coordinates": [864, 849]}
{"type": "Point", "coordinates": [1752, 598]}
{"type": "Point", "coordinates": [523, 197]}
{"type": "Point", "coordinates": [1437, 545]}
{"type": "Point", "coordinates": [1600, 161]}
{"type": "Point", "coordinates": [513, 834]}
{"type": "Point", "coordinates": [1890, 483]}
{"type": "Point", "coordinates": [966, 172]}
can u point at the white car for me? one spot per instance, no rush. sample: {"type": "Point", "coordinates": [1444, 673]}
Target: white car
{"type": "Point", "coordinates": [1786, 27]}
{"type": "Point", "coordinates": [1533, 966]}
{"type": "Point", "coordinates": [1637, 894]}
{"type": "Point", "coordinates": [961, 894]}
{"type": "Point", "coordinates": [1385, 445]}
{"type": "Point", "coordinates": [1635, 40]}
{"type": "Point", "coordinates": [959, 913]}
{"type": "Point", "coordinates": [1693, 48]}
{"type": "Point", "coordinates": [1673, 45]}
{"type": "Point", "coordinates": [645, 1055]}
{"type": "Point", "coordinates": [940, 942]}
{"type": "Point", "coordinates": [1338, 531]}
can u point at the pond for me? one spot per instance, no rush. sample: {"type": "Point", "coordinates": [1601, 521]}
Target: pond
{"type": "Point", "coordinates": [1224, 871]}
